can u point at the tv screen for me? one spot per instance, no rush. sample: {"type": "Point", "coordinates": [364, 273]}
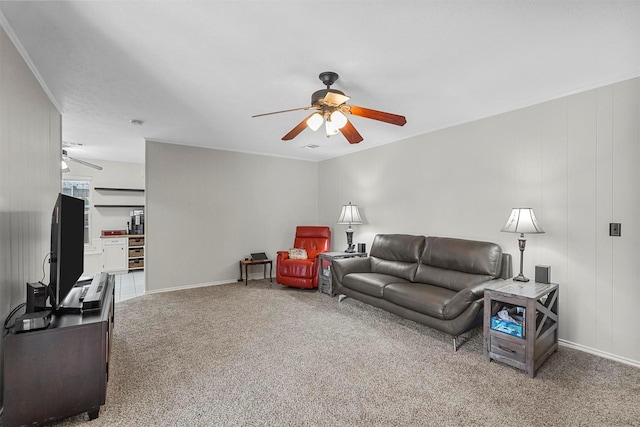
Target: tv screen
{"type": "Point", "coordinates": [67, 247]}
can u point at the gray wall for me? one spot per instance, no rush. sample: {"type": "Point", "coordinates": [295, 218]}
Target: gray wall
{"type": "Point", "coordinates": [29, 177]}
{"type": "Point", "coordinates": [207, 209]}
{"type": "Point", "coordinates": [574, 160]}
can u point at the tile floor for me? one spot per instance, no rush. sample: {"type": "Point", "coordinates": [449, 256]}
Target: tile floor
{"type": "Point", "coordinates": [129, 285]}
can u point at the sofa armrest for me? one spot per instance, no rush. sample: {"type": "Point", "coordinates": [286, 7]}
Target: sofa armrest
{"type": "Point", "coordinates": [342, 266]}
{"type": "Point", "coordinates": [478, 290]}
{"type": "Point", "coordinates": [456, 305]}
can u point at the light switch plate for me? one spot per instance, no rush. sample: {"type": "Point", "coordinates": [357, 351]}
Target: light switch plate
{"type": "Point", "coordinates": [615, 229]}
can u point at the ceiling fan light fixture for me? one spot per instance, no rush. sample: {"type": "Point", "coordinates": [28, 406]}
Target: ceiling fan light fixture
{"type": "Point", "coordinates": [331, 127]}
{"type": "Point", "coordinates": [64, 166]}
{"type": "Point", "coordinates": [315, 121]}
{"type": "Point", "coordinates": [338, 119]}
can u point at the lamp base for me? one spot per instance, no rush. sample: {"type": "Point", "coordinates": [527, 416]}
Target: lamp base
{"type": "Point", "coordinates": [350, 246]}
{"type": "Point", "coordinates": [520, 278]}
{"type": "Point", "coordinates": [521, 244]}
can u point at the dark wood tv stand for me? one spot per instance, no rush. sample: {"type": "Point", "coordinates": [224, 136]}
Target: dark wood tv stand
{"type": "Point", "coordinates": [60, 371]}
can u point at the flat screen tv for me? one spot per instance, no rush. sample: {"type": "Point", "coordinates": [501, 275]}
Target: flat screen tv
{"type": "Point", "coordinates": [67, 247]}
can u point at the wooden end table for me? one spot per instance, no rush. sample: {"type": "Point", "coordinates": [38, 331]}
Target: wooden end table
{"type": "Point", "coordinates": [247, 262]}
{"type": "Point", "coordinates": [540, 340]}
{"type": "Point", "coordinates": [325, 284]}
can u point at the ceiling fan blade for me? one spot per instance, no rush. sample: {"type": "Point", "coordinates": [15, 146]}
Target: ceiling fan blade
{"type": "Point", "coordinates": [296, 130]}
{"type": "Point", "coordinates": [334, 99]}
{"type": "Point", "coordinates": [350, 132]}
{"type": "Point", "coordinates": [82, 162]}
{"type": "Point", "coordinates": [394, 119]}
{"type": "Point", "coordinates": [283, 111]}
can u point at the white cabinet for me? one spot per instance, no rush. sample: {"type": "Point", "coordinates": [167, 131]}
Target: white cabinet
{"type": "Point", "coordinates": [114, 254]}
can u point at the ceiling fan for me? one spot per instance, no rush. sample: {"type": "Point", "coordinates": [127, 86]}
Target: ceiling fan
{"type": "Point", "coordinates": [65, 158]}
{"type": "Point", "coordinates": [331, 108]}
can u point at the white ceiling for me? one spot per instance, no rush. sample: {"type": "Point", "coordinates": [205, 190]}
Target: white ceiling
{"type": "Point", "coordinates": [196, 72]}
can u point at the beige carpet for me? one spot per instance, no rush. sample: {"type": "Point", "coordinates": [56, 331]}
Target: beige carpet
{"type": "Point", "coordinates": [232, 355]}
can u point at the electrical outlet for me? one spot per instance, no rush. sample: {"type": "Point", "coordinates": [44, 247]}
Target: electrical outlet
{"type": "Point", "coordinates": [615, 229]}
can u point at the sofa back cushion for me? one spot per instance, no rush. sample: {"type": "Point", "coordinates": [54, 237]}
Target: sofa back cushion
{"type": "Point", "coordinates": [457, 263]}
{"type": "Point", "coordinates": [396, 254]}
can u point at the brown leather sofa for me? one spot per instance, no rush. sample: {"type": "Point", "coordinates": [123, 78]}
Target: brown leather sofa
{"type": "Point", "coordinates": [436, 281]}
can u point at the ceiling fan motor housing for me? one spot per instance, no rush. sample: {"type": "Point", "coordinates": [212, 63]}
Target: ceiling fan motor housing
{"type": "Point", "coordinates": [320, 94]}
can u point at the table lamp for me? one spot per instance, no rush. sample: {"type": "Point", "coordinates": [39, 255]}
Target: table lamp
{"type": "Point", "coordinates": [522, 220]}
{"type": "Point", "coordinates": [350, 215]}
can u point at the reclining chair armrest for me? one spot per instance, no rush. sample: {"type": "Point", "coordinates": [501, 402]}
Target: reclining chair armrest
{"type": "Point", "coordinates": [343, 266]}
{"type": "Point", "coordinates": [282, 255]}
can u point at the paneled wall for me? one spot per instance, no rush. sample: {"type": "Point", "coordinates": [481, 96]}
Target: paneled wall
{"type": "Point", "coordinates": [574, 160]}
{"type": "Point", "coordinates": [207, 209]}
{"type": "Point", "coordinates": [29, 177]}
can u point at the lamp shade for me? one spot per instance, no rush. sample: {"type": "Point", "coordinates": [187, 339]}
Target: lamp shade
{"type": "Point", "coordinates": [338, 119]}
{"type": "Point", "coordinates": [522, 220]}
{"type": "Point", "coordinates": [315, 121]}
{"type": "Point", "coordinates": [350, 215]}
{"type": "Point", "coordinates": [331, 128]}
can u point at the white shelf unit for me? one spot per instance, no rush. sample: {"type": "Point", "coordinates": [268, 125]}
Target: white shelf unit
{"type": "Point", "coordinates": [136, 252]}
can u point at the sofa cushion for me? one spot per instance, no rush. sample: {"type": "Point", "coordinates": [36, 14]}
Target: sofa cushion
{"type": "Point", "coordinates": [450, 279]}
{"type": "Point", "coordinates": [426, 299]}
{"type": "Point", "coordinates": [369, 283]}
{"type": "Point", "coordinates": [469, 256]}
{"type": "Point", "coordinates": [396, 254]}
{"type": "Point", "coordinates": [431, 300]}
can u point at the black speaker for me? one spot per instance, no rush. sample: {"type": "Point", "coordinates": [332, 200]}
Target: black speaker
{"type": "Point", "coordinates": [36, 297]}
{"type": "Point", "coordinates": [543, 274]}
{"type": "Point", "coordinates": [362, 247]}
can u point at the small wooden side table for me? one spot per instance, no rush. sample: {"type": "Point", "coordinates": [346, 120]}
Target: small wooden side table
{"type": "Point", "coordinates": [325, 284]}
{"type": "Point", "coordinates": [247, 262]}
{"type": "Point", "coordinates": [540, 340]}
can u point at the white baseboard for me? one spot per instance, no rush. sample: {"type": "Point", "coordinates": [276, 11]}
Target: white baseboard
{"type": "Point", "coordinates": [253, 276]}
{"type": "Point", "coordinates": [599, 353]}
{"type": "Point", "coordinates": [197, 285]}
{"type": "Point", "coordinates": [201, 285]}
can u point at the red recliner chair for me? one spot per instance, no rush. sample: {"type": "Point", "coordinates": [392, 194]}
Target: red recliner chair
{"type": "Point", "coordinates": [303, 273]}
